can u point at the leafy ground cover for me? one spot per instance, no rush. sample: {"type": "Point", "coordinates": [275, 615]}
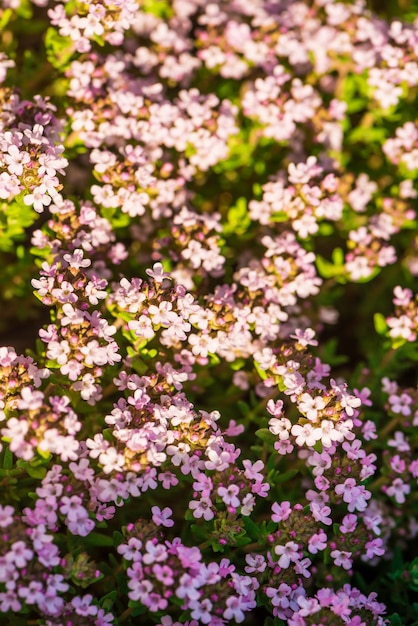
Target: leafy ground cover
{"type": "Point", "coordinates": [209, 248]}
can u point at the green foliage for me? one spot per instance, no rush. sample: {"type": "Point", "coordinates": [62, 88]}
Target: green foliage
{"type": "Point", "coordinates": [332, 269]}
{"type": "Point", "coordinates": [265, 435]}
{"type": "Point", "coordinates": [238, 219]}
{"type": "Point", "coordinates": [59, 49]}
{"type": "Point", "coordinates": [380, 324]}
{"type": "Point", "coordinates": [15, 218]}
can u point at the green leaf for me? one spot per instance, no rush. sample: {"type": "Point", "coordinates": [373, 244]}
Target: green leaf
{"type": "Point", "coordinates": [5, 18]}
{"type": "Point", "coordinates": [36, 472]}
{"type": "Point", "coordinates": [244, 407]}
{"type": "Point", "coordinates": [366, 135]}
{"type": "Point", "coordinates": [150, 354]}
{"type": "Point", "coordinates": [242, 541]}
{"type": "Point", "coordinates": [7, 460]}
{"type": "Point", "coordinates": [238, 219]}
{"type": "Point", "coordinates": [282, 478]}
{"type": "Point", "coordinates": [237, 365]}
{"type": "Point", "coordinates": [59, 49]}
{"type": "Point", "coordinates": [329, 353]}
{"type": "Point", "coordinates": [397, 562]}
{"type": "Point", "coordinates": [198, 531]}
{"type": "Point", "coordinates": [117, 538]}
{"type": "Point", "coordinates": [44, 454]}
{"type": "Point", "coordinates": [213, 359]}
{"type": "Point", "coordinates": [15, 218]}
{"type": "Point", "coordinates": [160, 8]}
{"type": "Point", "coordinates": [279, 217]}
{"type": "Point", "coordinates": [265, 435]}
{"type": "Point", "coordinates": [216, 546]}
{"type": "Point", "coordinates": [117, 218]}
{"type": "Point", "coordinates": [270, 621]}
{"type": "Point", "coordinates": [338, 257]}
{"type": "Point", "coordinates": [99, 40]}
{"type": "Point", "coordinates": [380, 323]}
{"type": "Point", "coordinates": [25, 10]}
{"type": "Point", "coordinates": [139, 610]}
{"type": "Point", "coordinates": [108, 600]}
{"type": "Point", "coordinates": [97, 539]}
{"type": "Point", "coordinates": [252, 529]}
{"type": "Point", "coordinates": [260, 372]}
{"type": "Point", "coordinates": [413, 568]}
{"type": "Point", "coordinates": [325, 229]}
{"type": "Point", "coordinates": [327, 269]}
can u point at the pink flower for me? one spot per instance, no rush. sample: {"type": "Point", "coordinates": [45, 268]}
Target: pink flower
{"type": "Point", "coordinates": [157, 273]}
{"type": "Point", "coordinates": [202, 508]}
{"type": "Point", "coordinates": [317, 542]}
{"type": "Point", "coordinates": [58, 351]}
{"type": "Point", "coordinates": [132, 550]}
{"type": "Point", "coordinates": [234, 429]}
{"type": "Point", "coordinates": [310, 406]}
{"type": "Point", "coordinates": [30, 400]}
{"type": "Point", "coordinates": [235, 609]}
{"type": "Point", "coordinates": [287, 553]}
{"type": "Point", "coordinates": [162, 517]}
{"type": "Point", "coordinates": [202, 610]}
{"type": "Point", "coordinates": [374, 548]}
{"type": "Point", "coordinates": [111, 460]}
{"type": "Point", "coordinates": [229, 495]}
{"type": "Point", "coordinates": [342, 559]}
{"type": "Point", "coordinates": [321, 513]}
{"type": "Point", "coordinates": [349, 523]}
{"type": "Point", "coordinates": [38, 198]}
{"type": "Point", "coordinates": [275, 408]}
{"type": "Point", "coordinates": [401, 403]}
{"type": "Point", "coordinates": [355, 495]}
{"type": "Point", "coordinates": [255, 563]}
{"type": "Point", "coordinates": [83, 606]}
{"type": "Point", "coordinates": [6, 515]}
{"type": "Point", "coordinates": [76, 260]}
{"type": "Point", "coordinates": [306, 434]}
{"type": "Point", "coordinates": [71, 507]}
{"type": "Point", "coordinates": [281, 511]}
{"type": "Point", "coordinates": [19, 554]}
{"type": "Point", "coordinates": [399, 490]}
{"type": "Point", "coordinates": [16, 159]}
{"type": "Point", "coordinates": [305, 337]}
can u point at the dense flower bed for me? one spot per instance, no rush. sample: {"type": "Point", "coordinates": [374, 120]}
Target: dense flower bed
{"type": "Point", "coordinates": [207, 224]}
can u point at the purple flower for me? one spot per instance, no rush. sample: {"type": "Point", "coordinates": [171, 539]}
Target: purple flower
{"type": "Point", "coordinates": [162, 517]}
{"type": "Point", "coordinates": [287, 553]}
{"type": "Point", "coordinates": [281, 511]}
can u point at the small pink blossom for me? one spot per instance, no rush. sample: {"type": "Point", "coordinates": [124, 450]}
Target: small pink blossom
{"type": "Point", "coordinates": [287, 554]}
{"type": "Point", "coordinates": [162, 517]}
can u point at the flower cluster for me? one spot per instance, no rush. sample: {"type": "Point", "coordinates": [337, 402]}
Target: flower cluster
{"type": "Point", "coordinates": [85, 22]}
{"type": "Point", "coordinates": [30, 150]}
{"type": "Point", "coordinates": [403, 148]}
{"type": "Point", "coordinates": [204, 429]}
{"type": "Point", "coordinates": [158, 570]}
{"type": "Point", "coordinates": [403, 324]}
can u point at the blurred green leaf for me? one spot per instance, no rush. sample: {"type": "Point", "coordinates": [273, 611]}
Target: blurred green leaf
{"type": "Point", "coordinates": [59, 49]}
{"type": "Point", "coordinates": [265, 435]}
{"type": "Point", "coordinates": [380, 323]}
{"type": "Point", "coordinates": [238, 219]}
{"type": "Point", "coordinates": [98, 539]}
